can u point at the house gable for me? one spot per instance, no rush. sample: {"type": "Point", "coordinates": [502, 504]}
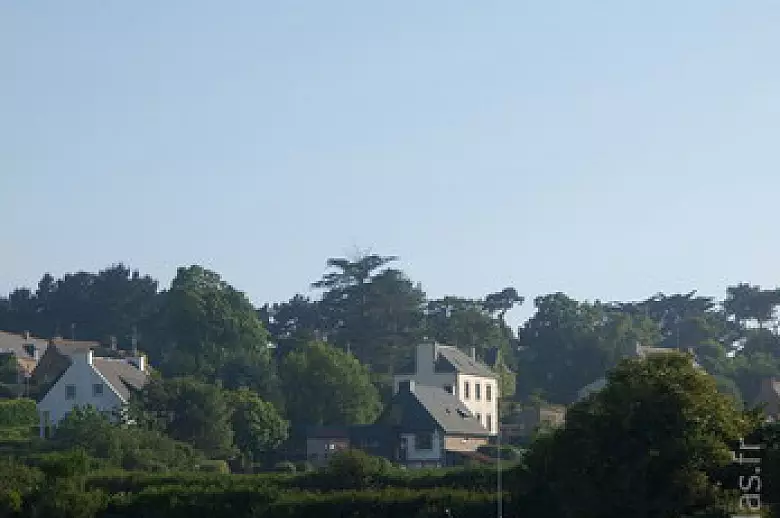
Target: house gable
{"type": "Point", "coordinates": [83, 377]}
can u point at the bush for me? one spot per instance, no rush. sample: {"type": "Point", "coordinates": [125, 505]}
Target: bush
{"type": "Point", "coordinates": [508, 453]}
{"type": "Point", "coordinates": [18, 412]}
{"type": "Point", "coordinates": [355, 469]}
{"type": "Point", "coordinates": [304, 467]}
{"type": "Point", "coordinates": [214, 466]}
{"type": "Point", "coordinates": [284, 466]}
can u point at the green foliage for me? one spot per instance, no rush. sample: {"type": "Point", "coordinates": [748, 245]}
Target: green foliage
{"type": "Point", "coordinates": [568, 344]}
{"type": "Point", "coordinates": [18, 412]}
{"type": "Point", "coordinates": [646, 445]}
{"type": "Point", "coordinates": [509, 453]}
{"type": "Point", "coordinates": [211, 330]}
{"type": "Point", "coordinates": [129, 447]}
{"type": "Point", "coordinates": [190, 411]}
{"type": "Point", "coordinates": [285, 466]}
{"type": "Point", "coordinates": [214, 466]}
{"type": "Point", "coordinates": [373, 311]}
{"type": "Point", "coordinates": [113, 301]}
{"type": "Point", "coordinates": [326, 386]}
{"type": "Point", "coordinates": [355, 469]}
{"type": "Point", "coordinates": [257, 426]}
{"type": "Point", "coordinates": [18, 483]}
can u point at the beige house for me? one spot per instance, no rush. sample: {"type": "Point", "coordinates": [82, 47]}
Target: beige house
{"type": "Point", "coordinates": [462, 375]}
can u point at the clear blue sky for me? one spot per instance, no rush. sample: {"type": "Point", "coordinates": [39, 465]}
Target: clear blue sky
{"type": "Point", "coordinates": [606, 149]}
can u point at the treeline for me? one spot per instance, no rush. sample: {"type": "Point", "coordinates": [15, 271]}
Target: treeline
{"type": "Point", "coordinates": [201, 326]}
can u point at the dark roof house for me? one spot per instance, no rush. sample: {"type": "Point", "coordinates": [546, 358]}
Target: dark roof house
{"type": "Point", "coordinates": [419, 407]}
{"type": "Point", "coordinates": [449, 359]}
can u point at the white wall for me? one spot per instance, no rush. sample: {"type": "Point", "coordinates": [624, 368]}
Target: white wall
{"type": "Point", "coordinates": [83, 375]}
{"type": "Point", "coordinates": [483, 407]}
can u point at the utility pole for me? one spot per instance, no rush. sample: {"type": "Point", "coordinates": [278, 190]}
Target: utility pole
{"type": "Point", "coordinates": [500, 501]}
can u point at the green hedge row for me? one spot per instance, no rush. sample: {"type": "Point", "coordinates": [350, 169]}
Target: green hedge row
{"type": "Point", "coordinates": [18, 413]}
{"type": "Point", "coordinates": [184, 503]}
{"type": "Point", "coordinates": [476, 479]}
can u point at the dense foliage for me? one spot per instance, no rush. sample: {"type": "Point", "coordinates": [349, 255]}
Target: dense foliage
{"type": "Point", "coordinates": [232, 383]}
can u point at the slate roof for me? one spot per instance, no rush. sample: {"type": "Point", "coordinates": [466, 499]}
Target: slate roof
{"type": "Point", "coordinates": [426, 407]}
{"type": "Point", "coordinates": [463, 363]}
{"type": "Point", "coordinates": [122, 375]}
{"type": "Point", "coordinates": [14, 343]}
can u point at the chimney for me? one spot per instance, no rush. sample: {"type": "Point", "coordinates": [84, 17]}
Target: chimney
{"type": "Point", "coordinates": [406, 386]}
{"type": "Point", "coordinates": [425, 358]}
{"type": "Point", "coordinates": [113, 343]}
{"type": "Point", "coordinates": [139, 361]}
{"type": "Point", "coordinates": [88, 356]}
{"type": "Point", "coordinates": [473, 353]}
{"type": "Point", "coordinates": [27, 335]}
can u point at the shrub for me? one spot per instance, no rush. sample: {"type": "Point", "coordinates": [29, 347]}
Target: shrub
{"type": "Point", "coordinates": [284, 466]}
{"type": "Point", "coordinates": [214, 466]}
{"type": "Point", "coordinates": [304, 467]}
{"type": "Point", "coordinates": [18, 412]}
{"type": "Point", "coordinates": [355, 469]}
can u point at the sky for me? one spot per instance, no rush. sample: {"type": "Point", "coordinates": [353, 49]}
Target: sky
{"type": "Point", "coordinates": [609, 150]}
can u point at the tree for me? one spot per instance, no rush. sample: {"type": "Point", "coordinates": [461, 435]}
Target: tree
{"type": "Point", "coordinates": [126, 446]}
{"type": "Point", "coordinates": [374, 313]}
{"type": "Point", "coordinates": [292, 323]}
{"type": "Point", "coordinates": [501, 302]}
{"type": "Point", "coordinates": [91, 306]}
{"type": "Point", "coordinates": [746, 303]}
{"type": "Point", "coordinates": [326, 386]}
{"type": "Point", "coordinates": [466, 323]}
{"type": "Point", "coordinates": [645, 446]}
{"type": "Point", "coordinates": [210, 330]}
{"type": "Point", "coordinates": [568, 344]}
{"type": "Point", "coordinates": [257, 426]}
{"type": "Point", "coordinates": [191, 411]}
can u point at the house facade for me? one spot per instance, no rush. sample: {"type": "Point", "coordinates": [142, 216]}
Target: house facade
{"type": "Point", "coordinates": [429, 425]}
{"type": "Point", "coordinates": [460, 374]}
{"type": "Point", "coordinates": [88, 380]}
{"type": "Point", "coordinates": [422, 427]}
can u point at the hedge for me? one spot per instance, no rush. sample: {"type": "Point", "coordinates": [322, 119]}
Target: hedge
{"type": "Point", "coordinates": [177, 502]}
{"type": "Point", "coordinates": [18, 413]}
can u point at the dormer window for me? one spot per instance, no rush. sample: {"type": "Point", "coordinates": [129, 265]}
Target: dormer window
{"type": "Point", "coordinates": [447, 388]}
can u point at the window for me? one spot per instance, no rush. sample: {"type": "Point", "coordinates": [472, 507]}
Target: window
{"type": "Point", "coordinates": [70, 391]}
{"type": "Point", "coordinates": [423, 441]}
{"type": "Point", "coordinates": [479, 418]}
{"type": "Point", "coordinates": [489, 422]}
{"type": "Point", "coordinates": [466, 390]}
{"type": "Point", "coordinates": [448, 388]}
{"type": "Point", "coordinates": [97, 389]}
{"type": "Point", "coordinates": [489, 392]}
{"type": "Point", "coordinates": [477, 391]}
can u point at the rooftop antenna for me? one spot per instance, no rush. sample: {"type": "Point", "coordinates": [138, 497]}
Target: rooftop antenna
{"type": "Point", "coordinates": [134, 341]}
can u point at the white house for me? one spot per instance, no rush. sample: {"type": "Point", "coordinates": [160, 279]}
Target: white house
{"type": "Point", "coordinates": [103, 383]}
{"type": "Point", "coordinates": [460, 374]}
